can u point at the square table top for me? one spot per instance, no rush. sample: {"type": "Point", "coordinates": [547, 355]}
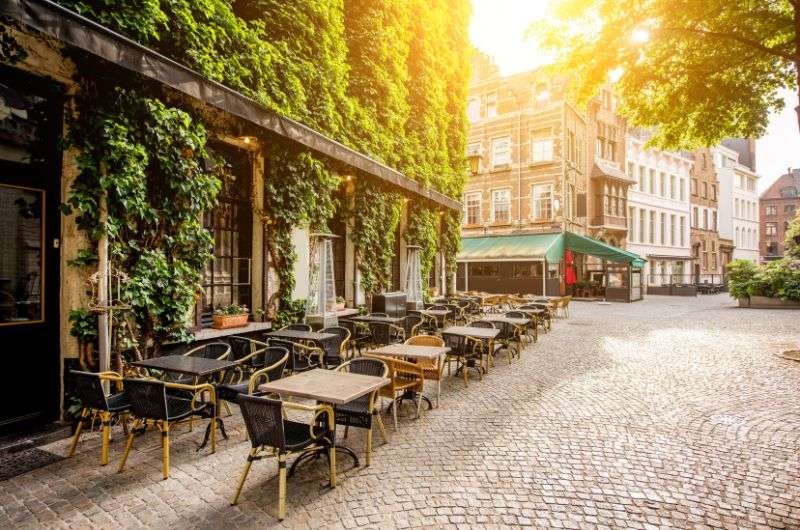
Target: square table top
{"type": "Point", "coordinates": [181, 364]}
{"type": "Point", "coordinates": [478, 333]}
{"type": "Point", "coordinates": [372, 318]}
{"type": "Point", "coordinates": [412, 351]}
{"type": "Point", "coordinates": [506, 320]}
{"type": "Point", "coordinates": [328, 386]}
{"type": "Point", "coordinates": [530, 311]}
{"type": "Point", "coordinates": [435, 312]}
{"type": "Point", "coordinates": [300, 335]}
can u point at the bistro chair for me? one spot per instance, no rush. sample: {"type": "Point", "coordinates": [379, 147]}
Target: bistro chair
{"type": "Point", "coordinates": [96, 404]}
{"type": "Point", "coordinates": [383, 333]}
{"type": "Point", "coordinates": [302, 357]}
{"type": "Point", "coordinates": [361, 412]}
{"type": "Point", "coordinates": [272, 358]}
{"type": "Point", "coordinates": [456, 314]}
{"type": "Point", "coordinates": [531, 326]}
{"type": "Point", "coordinates": [270, 432]}
{"type": "Point", "coordinates": [241, 347]}
{"type": "Point", "coordinates": [440, 321]}
{"type": "Point", "coordinates": [404, 377]}
{"type": "Point", "coordinates": [152, 404]}
{"type": "Point", "coordinates": [510, 338]}
{"type": "Point", "coordinates": [466, 352]}
{"type": "Point", "coordinates": [491, 348]}
{"type": "Point", "coordinates": [543, 319]}
{"type": "Point", "coordinates": [336, 351]}
{"type": "Point", "coordinates": [431, 370]}
{"type": "Point", "coordinates": [379, 315]}
{"type": "Point", "coordinates": [359, 334]}
{"type": "Point", "coordinates": [412, 324]}
{"type": "Point", "coordinates": [212, 350]}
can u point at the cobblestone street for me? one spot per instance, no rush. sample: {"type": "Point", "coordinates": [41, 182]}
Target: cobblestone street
{"type": "Point", "coordinates": [671, 412]}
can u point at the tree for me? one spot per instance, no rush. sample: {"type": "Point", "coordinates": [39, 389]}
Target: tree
{"type": "Point", "coordinates": [792, 241]}
{"type": "Point", "coordinates": [696, 71]}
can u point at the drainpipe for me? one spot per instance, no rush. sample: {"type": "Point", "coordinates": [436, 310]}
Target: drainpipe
{"type": "Point", "coordinates": [519, 162]}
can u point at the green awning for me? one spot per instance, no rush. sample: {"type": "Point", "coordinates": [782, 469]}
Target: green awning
{"type": "Point", "coordinates": [541, 246]}
{"type": "Point", "coordinates": [513, 247]}
{"type": "Point", "coordinates": [598, 249]}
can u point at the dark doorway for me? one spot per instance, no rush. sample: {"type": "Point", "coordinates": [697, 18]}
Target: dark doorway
{"type": "Point", "coordinates": [30, 183]}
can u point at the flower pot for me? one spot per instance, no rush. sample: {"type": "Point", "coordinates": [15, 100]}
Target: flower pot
{"type": "Point", "coordinates": [229, 321]}
{"type": "Point", "coordinates": [744, 302]}
{"type": "Point", "coordinates": [340, 306]}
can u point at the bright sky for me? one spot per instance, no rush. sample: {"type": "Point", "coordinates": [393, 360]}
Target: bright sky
{"type": "Point", "coordinates": [498, 29]}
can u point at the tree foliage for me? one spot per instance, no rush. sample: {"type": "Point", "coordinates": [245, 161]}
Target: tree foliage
{"type": "Point", "coordinates": [697, 71]}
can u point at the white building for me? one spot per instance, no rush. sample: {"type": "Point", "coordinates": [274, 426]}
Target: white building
{"type": "Point", "coordinates": [659, 212]}
{"type": "Point", "coordinates": [738, 203]}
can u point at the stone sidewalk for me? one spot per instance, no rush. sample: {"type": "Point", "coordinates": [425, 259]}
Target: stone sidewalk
{"type": "Point", "coordinates": [671, 412]}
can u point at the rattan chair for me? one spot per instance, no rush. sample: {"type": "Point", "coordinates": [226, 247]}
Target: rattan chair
{"type": "Point", "coordinates": [490, 346]}
{"type": "Point", "coordinates": [466, 352]}
{"type": "Point", "coordinates": [270, 432]}
{"type": "Point", "coordinates": [383, 333]}
{"type": "Point", "coordinates": [151, 404]}
{"type": "Point", "coordinates": [297, 327]}
{"type": "Point", "coordinates": [412, 324]}
{"type": "Point", "coordinates": [360, 412]}
{"type": "Point", "coordinates": [359, 335]}
{"type": "Point", "coordinates": [96, 404]}
{"type": "Point", "coordinates": [403, 377]}
{"type": "Point", "coordinates": [241, 347]}
{"type": "Point", "coordinates": [441, 321]}
{"type": "Point", "coordinates": [530, 330]}
{"type": "Point", "coordinates": [302, 358]}
{"type": "Point", "coordinates": [333, 358]}
{"type": "Point", "coordinates": [431, 370]}
{"type": "Point", "coordinates": [543, 319]}
{"type": "Point", "coordinates": [212, 350]}
{"type": "Point", "coordinates": [272, 358]}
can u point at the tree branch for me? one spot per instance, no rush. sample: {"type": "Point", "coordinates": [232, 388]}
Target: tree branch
{"type": "Point", "coordinates": [738, 38]}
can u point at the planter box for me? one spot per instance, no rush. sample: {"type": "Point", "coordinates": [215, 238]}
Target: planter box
{"type": "Point", "coordinates": [229, 321]}
{"type": "Point", "coordinates": [765, 302]}
{"type": "Point", "coordinates": [744, 302]}
{"type": "Point", "coordinates": [340, 306]}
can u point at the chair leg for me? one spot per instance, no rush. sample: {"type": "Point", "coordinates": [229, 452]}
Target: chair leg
{"type": "Point", "coordinates": [165, 449]}
{"type": "Point", "coordinates": [214, 432]}
{"type": "Point", "coordinates": [369, 445]}
{"type": "Point", "coordinates": [332, 462]}
{"type": "Point", "coordinates": [438, 390]}
{"type": "Point", "coordinates": [394, 413]}
{"type": "Point", "coordinates": [227, 408]}
{"type": "Point", "coordinates": [381, 428]}
{"type": "Point", "coordinates": [419, 402]}
{"type": "Point", "coordinates": [105, 419]}
{"type": "Point", "coordinates": [247, 466]}
{"type": "Point", "coordinates": [346, 430]}
{"type": "Point", "coordinates": [128, 446]}
{"type": "Point", "coordinates": [78, 429]}
{"type": "Point", "coordinates": [465, 369]}
{"type": "Point", "coordinates": [281, 486]}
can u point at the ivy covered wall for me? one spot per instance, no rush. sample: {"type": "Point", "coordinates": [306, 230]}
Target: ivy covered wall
{"type": "Point", "coordinates": [384, 77]}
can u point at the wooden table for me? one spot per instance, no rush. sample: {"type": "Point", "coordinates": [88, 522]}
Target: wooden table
{"type": "Point", "coordinates": [466, 331]}
{"type": "Point", "coordinates": [293, 334]}
{"type": "Point", "coordinates": [384, 320]}
{"type": "Point", "coordinates": [327, 386]}
{"type": "Point", "coordinates": [412, 351]}
{"type": "Point", "coordinates": [507, 320]}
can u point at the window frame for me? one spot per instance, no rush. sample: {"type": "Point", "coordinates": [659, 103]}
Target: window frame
{"type": "Point", "coordinates": [506, 190]}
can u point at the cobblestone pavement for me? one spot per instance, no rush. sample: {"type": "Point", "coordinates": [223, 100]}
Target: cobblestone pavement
{"type": "Point", "coordinates": [671, 412]}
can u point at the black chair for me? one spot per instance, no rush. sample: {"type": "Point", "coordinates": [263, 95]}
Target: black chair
{"type": "Point", "coordinates": [530, 326]}
{"type": "Point", "coordinates": [89, 389]}
{"type": "Point", "coordinates": [212, 350]}
{"type": "Point", "coordinates": [241, 347]}
{"type": "Point", "coordinates": [297, 327]}
{"type": "Point", "coordinates": [412, 324]}
{"type": "Point", "coordinates": [152, 404]}
{"type": "Point", "coordinates": [360, 412]}
{"type": "Point", "coordinates": [359, 334]}
{"type": "Point", "coordinates": [268, 430]}
{"type": "Point", "coordinates": [456, 314]}
{"type": "Point", "coordinates": [466, 352]}
{"type": "Point", "coordinates": [302, 358]}
{"type": "Point", "coordinates": [272, 358]}
{"type": "Point", "coordinates": [545, 318]}
{"type": "Point", "coordinates": [336, 350]}
{"type": "Point", "coordinates": [381, 315]}
{"type": "Point", "coordinates": [491, 348]}
{"type": "Point", "coordinates": [441, 321]}
{"type": "Point", "coordinates": [510, 339]}
{"type": "Point", "coordinates": [383, 333]}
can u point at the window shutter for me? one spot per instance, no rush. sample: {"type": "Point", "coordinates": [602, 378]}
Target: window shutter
{"type": "Point", "coordinates": [581, 206]}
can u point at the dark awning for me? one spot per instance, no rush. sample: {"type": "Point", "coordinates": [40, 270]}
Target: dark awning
{"type": "Point", "coordinates": [78, 31]}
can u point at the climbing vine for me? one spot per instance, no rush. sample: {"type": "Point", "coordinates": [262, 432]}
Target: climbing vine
{"type": "Point", "coordinates": [149, 162]}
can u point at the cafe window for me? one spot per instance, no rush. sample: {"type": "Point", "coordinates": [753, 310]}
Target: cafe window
{"type": "Point", "coordinates": [227, 278]}
{"type": "Point", "coordinates": [21, 265]}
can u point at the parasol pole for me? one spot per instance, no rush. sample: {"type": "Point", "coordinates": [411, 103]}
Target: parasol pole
{"type": "Point", "coordinates": [102, 288]}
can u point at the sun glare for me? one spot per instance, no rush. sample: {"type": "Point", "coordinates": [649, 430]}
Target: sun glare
{"type": "Point", "coordinates": [640, 36]}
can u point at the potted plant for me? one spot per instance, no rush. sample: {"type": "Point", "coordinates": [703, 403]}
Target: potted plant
{"type": "Point", "coordinates": [340, 303]}
{"type": "Point", "coordinates": [230, 316]}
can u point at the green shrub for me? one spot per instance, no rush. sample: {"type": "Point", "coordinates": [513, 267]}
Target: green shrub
{"type": "Point", "coordinates": [740, 274]}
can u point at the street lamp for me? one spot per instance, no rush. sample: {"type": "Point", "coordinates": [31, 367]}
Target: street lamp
{"type": "Point", "coordinates": [474, 163]}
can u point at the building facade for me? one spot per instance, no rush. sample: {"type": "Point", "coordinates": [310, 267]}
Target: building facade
{"type": "Point", "coordinates": [778, 206]}
{"type": "Point", "coordinates": [659, 211]}
{"type": "Point", "coordinates": [738, 203]}
{"type": "Point", "coordinates": [710, 253]}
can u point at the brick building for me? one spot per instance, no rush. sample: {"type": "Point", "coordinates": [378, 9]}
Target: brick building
{"type": "Point", "coordinates": [778, 205]}
{"type": "Point", "coordinates": [710, 252]}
